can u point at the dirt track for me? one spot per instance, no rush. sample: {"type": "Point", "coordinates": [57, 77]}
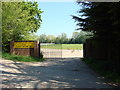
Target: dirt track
{"type": "Point", "coordinates": [53, 73]}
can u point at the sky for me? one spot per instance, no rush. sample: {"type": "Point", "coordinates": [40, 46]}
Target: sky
{"type": "Point", "coordinates": [57, 19]}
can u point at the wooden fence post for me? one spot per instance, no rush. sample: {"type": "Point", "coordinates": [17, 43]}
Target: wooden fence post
{"type": "Point", "coordinates": [12, 47]}
{"type": "Point", "coordinates": [36, 49]}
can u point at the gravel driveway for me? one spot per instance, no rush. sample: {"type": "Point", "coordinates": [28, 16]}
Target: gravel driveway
{"type": "Point", "coordinates": [52, 73]}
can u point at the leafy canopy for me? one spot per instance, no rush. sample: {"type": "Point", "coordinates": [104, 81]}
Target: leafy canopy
{"type": "Point", "coordinates": [101, 18]}
{"type": "Point", "coordinates": [19, 19]}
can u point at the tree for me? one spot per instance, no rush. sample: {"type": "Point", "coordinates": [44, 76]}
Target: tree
{"type": "Point", "coordinates": [32, 37]}
{"type": "Point", "coordinates": [51, 38]}
{"type": "Point", "coordinates": [43, 38]}
{"type": "Point", "coordinates": [19, 19]}
{"type": "Point", "coordinates": [80, 37]}
{"type": "Point", "coordinates": [61, 39]}
{"type": "Point", "coordinates": [58, 40]}
{"type": "Point", "coordinates": [64, 38]}
{"type": "Point", "coordinates": [75, 34]}
{"type": "Point", "coordinates": [101, 19]}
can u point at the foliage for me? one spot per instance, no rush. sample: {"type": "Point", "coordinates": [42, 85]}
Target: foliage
{"type": "Point", "coordinates": [61, 39]}
{"type": "Point", "coordinates": [104, 68]}
{"type": "Point", "coordinates": [32, 37]}
{"type": "Point", "coordinates": [77, 38]}
{"type": "Point", "coordinates": [80, 37]}
{"type": "Point", "coordinates": [19, 19]}
{"type": "Point", "coordinates": [21, 58]}
{"type": "Point", "coordinates": [46, 38]}
{"type": "Point", "coordinates": [100, 18]}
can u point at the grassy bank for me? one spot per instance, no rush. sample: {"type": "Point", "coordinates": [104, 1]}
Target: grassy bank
{"type": "Point", "coordinates": [63, 46]}
{"type": "Point", "coordinates": [103, 68]}
{"type": "Point", "coordinates": [21, 58]}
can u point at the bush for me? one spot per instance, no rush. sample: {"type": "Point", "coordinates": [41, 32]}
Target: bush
{"type": "Point", "coordinates": [21, 58]}
{"type": "Point", "coordinates": [104, 68]}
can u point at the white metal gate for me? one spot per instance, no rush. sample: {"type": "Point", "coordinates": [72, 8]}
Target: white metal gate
{"type": "Point", "coordinates": [51, 50]}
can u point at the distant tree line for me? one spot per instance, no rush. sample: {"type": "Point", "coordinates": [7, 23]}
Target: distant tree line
{"type": "Point", "coordinates": [77, 38]}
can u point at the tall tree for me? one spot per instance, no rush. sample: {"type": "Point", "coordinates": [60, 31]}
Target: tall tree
{"type": "Point", "coordinates": [100, 18]}
{"type": "Point", "coordinates": [43, 38]}
{"type": "Point", "coordinates": [75, 34]}
{"type": "Point", "coordinates": [19, 19]}
{"type": "Point", "coordinates": [80, 37]}
{"type": "Point", "coordinates": [64, 38]}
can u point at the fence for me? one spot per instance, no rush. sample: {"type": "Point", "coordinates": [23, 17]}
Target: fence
{"type": "Point", "coordinates": [51, 50]}
{"type": "Point", "coordinates": [94, 50]}
{"type": "Point", "coordinates": [101, 51]}
{"type": "Point", "coordinates": [25, 48]}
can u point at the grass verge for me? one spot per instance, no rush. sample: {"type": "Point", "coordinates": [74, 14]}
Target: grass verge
{"type": "Point", "coordinates": [105, 69]}
{"type": "Point", "coordinates": [21, 58]}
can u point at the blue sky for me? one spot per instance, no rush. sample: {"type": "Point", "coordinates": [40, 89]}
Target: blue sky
{"type": "Point", "coordinates": [57, 19]}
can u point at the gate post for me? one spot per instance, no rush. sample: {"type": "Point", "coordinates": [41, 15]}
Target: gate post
{"type": "Point", "coordinates": [11, 47]}
{"type": "Point", "coordinates": [36, 49]}
{"type": "Point", "coordinates": [84, 50]}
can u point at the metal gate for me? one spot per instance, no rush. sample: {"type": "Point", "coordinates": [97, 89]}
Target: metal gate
{"type": "Point", "coordinates": [51, 50]}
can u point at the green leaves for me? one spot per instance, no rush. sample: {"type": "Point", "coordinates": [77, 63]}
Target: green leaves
{"type": "Point", "coordinates": [80, 37]}
{"type": "Point", "coordinates": [101, 18]}
{"type": "Point", "coordinates": [19, 19]}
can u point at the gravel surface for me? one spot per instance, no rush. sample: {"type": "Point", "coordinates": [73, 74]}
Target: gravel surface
{"type": "Point", "coordinates": [52, 73]}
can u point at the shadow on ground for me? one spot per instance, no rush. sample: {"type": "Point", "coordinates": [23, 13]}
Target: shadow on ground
{"type": "Point", "coordinates": [53, 73]}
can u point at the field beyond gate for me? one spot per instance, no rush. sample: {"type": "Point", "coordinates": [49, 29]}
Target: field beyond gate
{"type": "Point", "coordinates": [61, 50]}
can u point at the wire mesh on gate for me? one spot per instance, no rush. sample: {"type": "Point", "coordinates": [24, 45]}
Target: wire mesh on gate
{"type": "Point", "coordinates": [51, 50]}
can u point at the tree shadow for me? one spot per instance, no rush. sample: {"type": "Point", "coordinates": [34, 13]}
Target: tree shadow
{"type": "Point", "coordinates": [59, 73]}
